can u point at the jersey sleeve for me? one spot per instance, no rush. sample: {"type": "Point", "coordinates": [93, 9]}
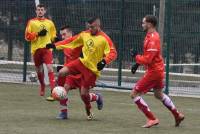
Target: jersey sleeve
{"type": "Point", "coordinates": [109, 51]}
{"type": "Point", "coordinates": [52, 31]}
{"type": "Point", "coordinates": [29, 35]}
{"type": "Point", "coordinates": [73, 42]}
{"type": "Point", "coordinates": [150, 53]}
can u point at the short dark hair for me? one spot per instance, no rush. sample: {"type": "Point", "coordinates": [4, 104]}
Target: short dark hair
{"type": "Point", "coordinates": [66, 27]}
{"type": "Point", "coordinates": [41, 5]}
{"type": "Point", "coordinates": [92, 19]}
{"type": "Point", "coordinates": [151, 19]}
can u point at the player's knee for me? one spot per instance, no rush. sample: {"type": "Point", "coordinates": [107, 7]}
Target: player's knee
{"type": "Point", "coordinates": [158, 95]}
{"type": "Point", "coordinates": [133, 94]}
{"type": "Point", "coordinates": [63, 72]}
{"type": "Point", "coordinates": [67, 87]}
{"type": "Point", "coordinates": [84, 91]}
{"type": "Point", "coordinates": [49, 68]}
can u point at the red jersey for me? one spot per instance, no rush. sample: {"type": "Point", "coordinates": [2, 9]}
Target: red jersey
{"type": "Point", "coordinates": [72, 54]}
{"type": "Point", "coordinates": [151, 58]}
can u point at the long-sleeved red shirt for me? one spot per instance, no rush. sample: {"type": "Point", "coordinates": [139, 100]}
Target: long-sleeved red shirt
{"type": "Point", "coordinates": [152, 57]}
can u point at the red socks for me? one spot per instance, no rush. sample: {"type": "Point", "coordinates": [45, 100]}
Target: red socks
{"type": "Point", "coordinates": [51, 80]}
{"type": "Point", "coordinates": [41, 77]}
{"type": "Point", "coordinates": [63, 105]}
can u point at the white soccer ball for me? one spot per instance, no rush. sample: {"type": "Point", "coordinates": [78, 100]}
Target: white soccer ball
{"type": "Point", "coordinates": [59, 93]}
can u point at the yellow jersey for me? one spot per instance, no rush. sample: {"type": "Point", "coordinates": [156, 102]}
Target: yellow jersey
{"type": "Point", "coordinates": [94, 48]}
{"type": "Point", "coordinates": [34, 26]}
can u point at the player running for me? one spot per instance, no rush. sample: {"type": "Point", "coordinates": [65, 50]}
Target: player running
{"type": "Point", "coordinates": [41, 31]}
{"type": "Point", "coordinates": [154, 75]}
{"type": "Point", "coordinates": [97, 51]}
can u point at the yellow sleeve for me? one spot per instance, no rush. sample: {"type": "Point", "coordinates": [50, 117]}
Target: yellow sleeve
{"type": "Point", "coordinates": [73, 42]}
{"type": "Point", "coordinates": [29, 35]}
{"type": "Point", "coordinates": [52, 31]}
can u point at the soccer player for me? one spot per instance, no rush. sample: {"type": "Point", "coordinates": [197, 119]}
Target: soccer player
{"type": "Point", "coordinates": [71, 81]}
{"type": "Point", "coordinates": [154, 75]}
{"type": "Point", "coordinates": [41, 31]}
{"type": "Point", "coordinates": [97, 51]}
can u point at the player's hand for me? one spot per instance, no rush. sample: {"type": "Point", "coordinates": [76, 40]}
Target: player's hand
{"type": "Point", "coordinates": [56, 39]}
{"type": "Point", "coordinates": [50, 45]}
{"type": "Point", "coordinates": [43, 32]}
{"type": "Point", "coordinates": [134, 68]}
{"type": "Point", "coordinates": [101, 65]}
{"type": "Point", "coordinates": [133, 53]}
{"type": "Point", "coordinates": [59, 67]}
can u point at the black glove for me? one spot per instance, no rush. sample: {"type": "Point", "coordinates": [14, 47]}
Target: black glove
{"type": "Point", "coordinates": [43, 32]}
{"type": "Point", "coordinates": [134, 68]}
{"type": "Point", "coordinates": [56, 39]}
{"type": "Point", "coordinates": [133, 53]}
{"type": "Point", "coordinates": [59, 67]}
{"type": "Point", "coordinates": [50, 45]}
{"type": "Point", "coordinates": [101, 65]}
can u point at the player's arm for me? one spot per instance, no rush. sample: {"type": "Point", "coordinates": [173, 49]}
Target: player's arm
{"type": "Point", "coordinates": [53, 32]}
{"type": "Point", "coordinates": [29, 35]}
{"type": "Point", "coordinates": [109, 52]}
{"type": "Point", "coordinates": [147, 58]}
{"type": "Point", "coordinates": [73, 42]}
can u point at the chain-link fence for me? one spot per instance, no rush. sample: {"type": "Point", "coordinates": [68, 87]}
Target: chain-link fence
{"type": "Point", "coordinates": [121, 20]}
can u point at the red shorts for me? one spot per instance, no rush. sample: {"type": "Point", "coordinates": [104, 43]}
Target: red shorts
{"type": "Point", "coordinates": [42, 55]}
{"type": "Point", "coordinates": [87, 77]}
{"type": "Point", "coordinates": [74, 81]}
{"type": "Point", "coordinates": [149, 81]}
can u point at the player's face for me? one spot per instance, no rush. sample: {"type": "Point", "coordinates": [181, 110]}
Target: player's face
{"type": "Point", "coordinates": [94, 27]}
{"type": "Point", "coordinates": [40, 12]}
{"type": "Point", "coordinates": [144, 25]}
{"type": "Point", "coordinates": [65, 34]}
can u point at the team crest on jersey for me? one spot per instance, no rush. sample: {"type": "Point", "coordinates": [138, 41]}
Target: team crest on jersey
{"type": "Point", "coordinates": [90, 45]}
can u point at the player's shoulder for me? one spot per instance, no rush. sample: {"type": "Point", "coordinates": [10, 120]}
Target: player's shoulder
{"type": "Point", "coordinates": [103, 34]}
{"type": "Point", "coordinates": [86, 32]}
{"type": "Point", "coordinates": [32, 20]}
{"type": "Point", "coordinates": [106, 37]}
{"type": "Point", "coordinates": [48, 20]}
{"type": "Point", "coordinates": [154, 36]}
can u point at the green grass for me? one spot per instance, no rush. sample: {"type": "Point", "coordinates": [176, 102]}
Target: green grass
{"type": "Point", "coordinates": [22, 111]}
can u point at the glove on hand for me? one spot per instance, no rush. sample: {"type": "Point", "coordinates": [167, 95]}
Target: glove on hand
{"type": "Point", "coordinates": [101, 65]}
{"type": "Point", "coordinates": [134, 68]}
{"type": "Point", "coordinates": [43, 32]}
{"type": "Point", "coordinates": [133, 53]}
{"type": "Point", "coordinates": [50, 45]}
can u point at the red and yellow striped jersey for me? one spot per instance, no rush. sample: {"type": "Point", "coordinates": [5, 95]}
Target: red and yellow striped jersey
{"type": "Point", "coordinates": [94, 48]}
{"type": "Point", "coordinates": [34, 26]}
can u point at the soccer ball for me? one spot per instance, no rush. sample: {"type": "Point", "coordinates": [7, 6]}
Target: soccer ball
{"type": "Point", "coordinates": [59, 93]}
{"type": "Point", "coordinates": [33, 77]}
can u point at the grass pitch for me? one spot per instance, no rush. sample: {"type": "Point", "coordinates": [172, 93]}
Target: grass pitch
{"type": "Point", "coordinates": [22, 111]}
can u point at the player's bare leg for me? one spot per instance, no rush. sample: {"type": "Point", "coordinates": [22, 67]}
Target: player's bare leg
{"type": "Point", "coordinates": [63, 71]}
{"type": "Point", "coordinates": [167, 102]}
{"type": "Point", "coordinates": [142, 105]}
{"type": "Point", "coordinates": [40, 74]}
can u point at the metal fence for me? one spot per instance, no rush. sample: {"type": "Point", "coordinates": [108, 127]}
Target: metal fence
{"type": "Point", "coordinates": [121, 21]}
